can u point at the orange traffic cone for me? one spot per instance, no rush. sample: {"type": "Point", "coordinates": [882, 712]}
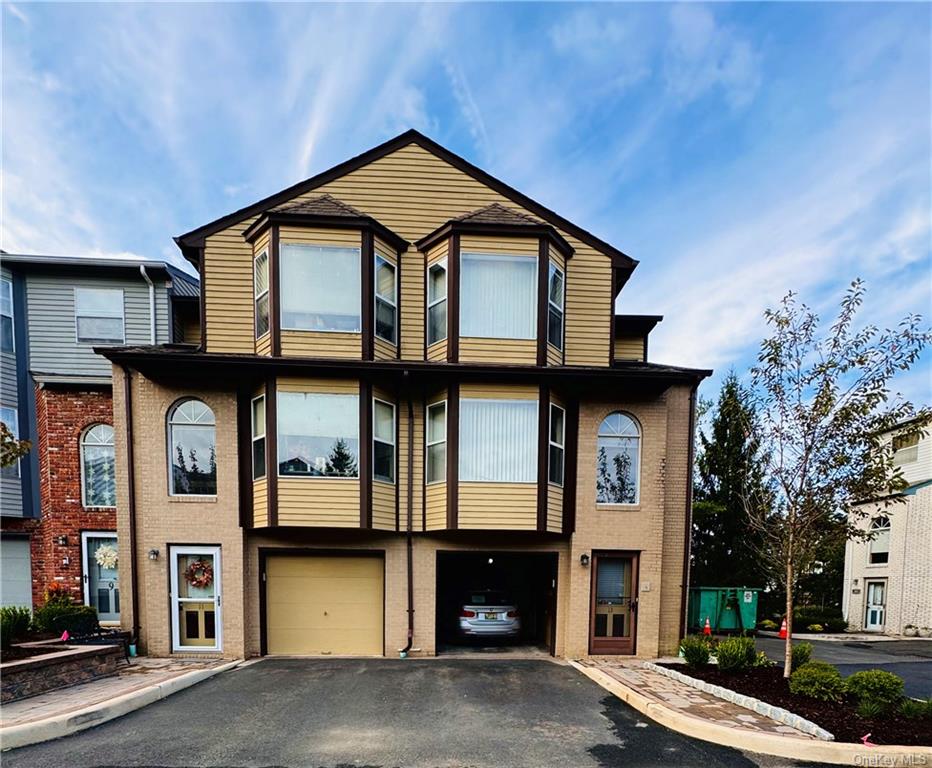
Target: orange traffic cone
{"type": "Point", "coordinates": [782, 634]}
{"type": "Point", "coordinates": [707, 629]}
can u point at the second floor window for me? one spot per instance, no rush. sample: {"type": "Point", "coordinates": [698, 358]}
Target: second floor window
{"type": "Point", "coordinates": [498, 441]}
{"type": "Point", "coordinates": [555, 292]}
{"type": "Point", "coordinates": [880, 544]}
{"type": "Point", "coordinates": [318, 435]}
{"type": "Point", "coordinates": [10, 420]}
{"type": "Point", "coordinates": [6, 315]}
{"type": "Point", "coordinates": [383, 441]}
{"type": "Point", "coordinates": [320, 288]}
{"type": "Point", "coordinates": [192, 438]}
{"type": "Point", "coordinates": [436, 442]}
{"type": "Point", "coordinates": [98, 315]}
{"type": "Point", "coordinates": [386, 300]}
{"type": "Point", "coordinates": [498, 296]}
{"type": "Point", "coordinates": [905, 449]}
{"type": "Point", "coordinates": [261, 288]}
{"type": "Point", "coordinates": [557, 443]}
{"type": "Point", "coordinates": [436, 303]}
{"type": "Point", "coordinates": [258, 437]}
{"type": "Point", "coordinates": [98, 467]}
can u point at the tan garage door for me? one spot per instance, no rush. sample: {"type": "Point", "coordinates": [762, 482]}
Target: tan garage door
{"type": "Point", "coordinates": [324, 605]}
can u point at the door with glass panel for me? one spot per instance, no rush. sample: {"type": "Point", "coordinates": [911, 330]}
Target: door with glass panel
{"type": "Point", "coordinates": [876, 606]}
{"type": "Point", "coordinates": [101, 574]}
{"type": "Point", "coordinates": [613, 622]}
{"type": "Point", "coordinates": [195, 594]}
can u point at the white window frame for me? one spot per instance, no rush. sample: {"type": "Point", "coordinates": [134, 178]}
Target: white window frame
{"type": "Point", "coordinates": [441, 264]}
{"type": "Point", "coordinates": [504, 256]}
{"type": "Point", "coordinates": [888, 529]}
{"type": "Point", "coordinates": [177, 647]}
{"type": "Point", "coordinates": [561, 445]}
{"type": "Point", "coordinates": [256, 295]}
{"type": "Point", "coordinates": [281, 308]}
{"type": "Point", "coordinates": [385, 442]}
{"type": "Point", "coordinates": [255, 437]}
{"type": "Point", "coordinates": [637, 484]}
{"type": "Point", "coordinates": [85, 563]}
{"type": "Point", "coordinates": [376, 298]}
{"type": "Point", "coordinates": [13, 426]}
{"type": "Point", "coordinates": [7, 286]}
{"type": "Point", "coordinates": [84, 434]}
{"type": "Point", "coordinates": [77, 338]}
{"type": "Point", "coordinates": [428, 443]}
{"type": "Point", "coordinates": [561, 307]}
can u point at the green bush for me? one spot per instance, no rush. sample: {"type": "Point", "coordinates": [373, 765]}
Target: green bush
{"type": "Point", "coordinates": [57, 603]}
{"type": "Point", "coordinates": [815, 628]}
{"type": "Point", "coordinates": [762, 660]}
{"type": "Point", "coordinates": [736, 653]}
{"type": "Point", "coordinates": [914, 709]}
{"type": "Point", "coordinates": [802, 652]}
{"type": "Point", "coordinates": [818, 680]}
{"type": "Point", "coordinates": [695, 650]}
{"type": "Point", "coordinates": [767, 625]}
{"type": "Point", "coordinates": [14, 624]}
{"type": "Point", "coordinates": [871, 710]}
{"type": "Point", "coordinates": [875, 686]}
{"type": "Point", "coordinates": [830, 619]}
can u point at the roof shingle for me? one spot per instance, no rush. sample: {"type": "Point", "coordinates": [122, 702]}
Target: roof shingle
{"type": "Point", "coordinates": [496, 213]}
{"type": "Point", "coordinates": [324, 205]}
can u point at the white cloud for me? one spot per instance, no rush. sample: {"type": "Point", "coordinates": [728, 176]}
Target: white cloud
{"type": "Point", "coordinates": [17, 13]}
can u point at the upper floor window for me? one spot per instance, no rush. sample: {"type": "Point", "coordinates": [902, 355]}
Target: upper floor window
{"type": "Point", "coordinates": [555, 292]}
{"type": "Point", "coordinates": [383, 441]}
{"type": "Point", "coordinates": [436, 302]}
{"type": "Point", "coordinates": [436, 442]}
{"type": "Point", "coordinates": [192, 459]}
{"type": "Point", "coordinates": [498, 441]}
{"type": "Point", "coordinates": [557, 443]}
{"type": "Point", "coordinates": [260, 271]}
{"type": "Point", "coordinates": [98, 467]}
{"type": "Point", "coordinates": [98, 315]}
{"type": "Point", "coordinates": [258, 437]}
{"type": "Point", "coordinates": [320, 288]}
{"type": "Point", "coordinates": [9, 418]}
{"type": "Point", "coordinates": [498, 296]}
{"type": "Point", "coordinates": [6, 315]}
{"type": "Point", "coordinates": [318, 434]}
{"type": "Point", "coordinates": [618, 459]}
{"type": "Point", "coordinates": [905, 449]}
{"type": "Point", "coordinates": [386, 299]}
{"type": "Point", "coordinates": [880, 544]}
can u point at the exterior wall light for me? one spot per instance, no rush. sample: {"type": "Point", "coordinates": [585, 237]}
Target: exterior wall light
{"type": "Point", "coordinates": [584, 560]}
{"type": "Point", "coordinates": [62, 541]}
{"type": "Point", "coordinates": [153, 554]}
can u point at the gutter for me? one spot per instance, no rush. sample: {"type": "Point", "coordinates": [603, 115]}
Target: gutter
{"type": "Point", "coordinates": [131, 501]}
{"type": "Point", "coordinates": [409, 534]}
{"type": "Point", "coordinates": [690, 458]}
{"type": "Point", "coordinates": [145, 276]}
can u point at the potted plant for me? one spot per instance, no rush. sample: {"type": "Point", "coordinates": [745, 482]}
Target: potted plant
{"type": "Point", "coordinates": [925, 631]}
{"type": "Point", "coordinates": [911, 630]}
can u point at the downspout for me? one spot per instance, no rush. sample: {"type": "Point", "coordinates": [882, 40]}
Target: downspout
{"type": "Point", "coordinates": [409, 537]}
{"type": "Point", "coordinates": [690, 457]}
{"type": "Point", "coordinates": [145, 276]}
{"type": "Point", "coordinates": [131, 500]}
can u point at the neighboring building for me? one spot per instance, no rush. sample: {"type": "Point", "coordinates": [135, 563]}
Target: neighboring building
{"type": "Point", "coordinates": [411, 385]}
{"type": "Point", "coordinates": [59, 504]}
{"type": "Point", "coordinates": [888, 580]}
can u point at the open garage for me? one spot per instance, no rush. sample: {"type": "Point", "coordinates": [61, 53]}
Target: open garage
{"type": "Point", "coordinates": [511, 585]}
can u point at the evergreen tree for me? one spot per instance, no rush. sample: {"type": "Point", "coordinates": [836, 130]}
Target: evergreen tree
{"type": "Point", "coordinates": [341, 462]}
{"type": "Point", "coordinates": [195, 469]}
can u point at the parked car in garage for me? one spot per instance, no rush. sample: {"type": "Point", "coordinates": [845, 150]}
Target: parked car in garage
{"type": "Point", "coordinates": [489, 613]}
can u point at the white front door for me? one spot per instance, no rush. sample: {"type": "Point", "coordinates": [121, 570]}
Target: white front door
{"type": "Point", "coordinates": [100, 573]}
{"type": "Point", "coordinates": [876, 603]}
{"type": "Point", "coordinates": [195, 594]}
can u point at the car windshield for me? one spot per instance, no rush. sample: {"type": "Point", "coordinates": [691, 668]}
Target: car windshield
{"type": "Point", "coordinates": [487, 598]}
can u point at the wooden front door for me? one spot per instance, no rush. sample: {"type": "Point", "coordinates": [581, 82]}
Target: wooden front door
{"type": "Point", "coordinates": [613, 613]}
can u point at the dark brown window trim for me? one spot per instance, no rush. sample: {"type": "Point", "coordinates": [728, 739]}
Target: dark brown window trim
{"type": "Point", "coordinates": [275, 304]}
{"type": "Point", "coordinates": [453, 454]}
{"type": "Point", "coordinates": [543, 305]}
{"type": "Point", "coordinates": [453, 301]}
{"type": "Point", "coordinates": [365, 454]}
{"type": "Point", "coordinates": [271, 448]}
{"type": "Point", "coordinates": [244, 429]}
{"type": "Point", "coordinates": [570, 464]}
{"type": "Point", "coordinates": [543, 456]}
{"type": "Point", "coordinates": [367, 281]}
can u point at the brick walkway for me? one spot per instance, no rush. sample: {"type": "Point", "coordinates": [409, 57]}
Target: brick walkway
{"type": "Point", "coordinates": [690, 701]}
{"type": "Point", "coordinates": [140, 673]}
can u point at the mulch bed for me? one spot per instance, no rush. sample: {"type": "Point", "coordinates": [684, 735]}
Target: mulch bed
{"type": "Point", "coordinates": [842, 720]}
{"type": "Point", "coordinates": [18, 653]}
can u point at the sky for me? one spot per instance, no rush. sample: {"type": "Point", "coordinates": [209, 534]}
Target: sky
{"type": "Point", "coordinates": [738, 151]}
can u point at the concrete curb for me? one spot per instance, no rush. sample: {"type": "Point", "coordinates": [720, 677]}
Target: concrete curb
{"type": "Point", "coordinates": [55, 727]}
{"type": "Point", "coordinates": [791, 747]}
{"type": "Point", "coordinates": [748, 702]}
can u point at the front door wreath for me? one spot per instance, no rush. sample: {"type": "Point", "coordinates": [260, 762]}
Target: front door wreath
{"type": "Point", "coordinates": [199, 574]}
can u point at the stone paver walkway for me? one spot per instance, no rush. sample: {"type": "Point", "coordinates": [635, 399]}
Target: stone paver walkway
{"type": "Point", "coordinates": [690, 701]}
{"type": "Point", "coordinates": [140, 673]}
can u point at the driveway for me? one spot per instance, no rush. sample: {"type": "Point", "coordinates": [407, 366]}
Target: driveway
{"type": "Point", "coordinates": [910, 659]}
{"type": "Point", "coordinates": [303, 713]}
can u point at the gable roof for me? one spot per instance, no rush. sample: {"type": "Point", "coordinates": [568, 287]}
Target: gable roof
{"type": "Point", "coordinates": [190, 241]}
{"type": "Point", "coordinates": [325, 205]}
{"type": "Point", "coordinates": [496, 213]}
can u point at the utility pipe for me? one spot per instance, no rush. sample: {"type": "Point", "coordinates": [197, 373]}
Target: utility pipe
{"type": "Point", "coordinates": [145, 276]}
{"type": "Point", "coordinates": [131, 500]}
{"type": "Point", "coordinates": [410, 542]}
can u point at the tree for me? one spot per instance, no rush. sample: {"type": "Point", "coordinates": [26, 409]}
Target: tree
{"type": "Point", "coordinates": [617, 489]}
{"type": "Point", "coordinates": [823, 408]}
{"type": "Point", "coordinates": [11, 448]}
{"type": "Point", "coordinates": [341, 462]}
{"type": "Point", "coordinates": [727, 461]}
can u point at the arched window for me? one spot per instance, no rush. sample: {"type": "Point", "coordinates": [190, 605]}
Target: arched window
{"type": "Point", "coordinates": [880, 543]}
{"type": "Point", "coordinates": [192, 461]}
{"type": "Point", "coordinates": [98, 467]}
{"type": "Point", "coordinates": [618, 460]}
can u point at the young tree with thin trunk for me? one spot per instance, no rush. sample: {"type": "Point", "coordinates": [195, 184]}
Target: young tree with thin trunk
{"type": "Point", "coordinates": [823, 405]}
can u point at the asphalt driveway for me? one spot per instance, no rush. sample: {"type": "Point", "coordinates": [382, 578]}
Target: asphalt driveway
{"type": "Point", "coordinates": [299, 713]}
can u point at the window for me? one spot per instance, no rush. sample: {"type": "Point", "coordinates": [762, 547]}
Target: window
{"type": "Point", "coordinates": [98, 467]}
{"type": "Point", "coordinates": [498, 296]}
{"type": "Point", "coordinates": [437, 443]}
{"type": "Point", "coordinates": [555, 307]}
{"type": "Point", "coordinates": [386, 299]}
{"type": "Point", "coordinates": [260, 271]}
{"type": "Point", "coordinates": [498, 441]}
{"type": "Point", "coordinates": [6, 315]}
{"type": "Point", "coordinates": [383, 441]}
{"type": "Point", "coordinates": [258, 437]}
{"type": "Point", "coordinates": [9, 418]}
{"type": "Point", "coordinates": [318, 434]}
{"type": "Point", "coordinates": [320, 288]}
{"type": "Point", "coordinates": [905, 449]}
{"type": "Point", "coordinates": [557, 440]}
{"type": "Point", "coordinates": [437, 303]}
{"type": "Point", "coordinates": [98, 315]}
{"type": "Point", "coordinates": [880, 543]}
{"type": "Point", "coordinates": [617, 467]}
{"type": "Point", "coordinates": [192, 450]}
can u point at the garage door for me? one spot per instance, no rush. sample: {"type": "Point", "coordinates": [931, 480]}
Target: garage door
{"type": "Point", "coordinates": [16, 573]}
{"type": "Point", "coordinates": [324, 605]}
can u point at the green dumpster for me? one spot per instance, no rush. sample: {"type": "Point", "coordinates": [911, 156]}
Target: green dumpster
{"type": "Point", "coordinates": [728, 609]}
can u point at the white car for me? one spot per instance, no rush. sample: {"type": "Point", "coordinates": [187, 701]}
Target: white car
{"type": "Point", "coordinates": [489, 613]}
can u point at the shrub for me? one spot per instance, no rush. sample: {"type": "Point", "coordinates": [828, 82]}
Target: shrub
{"type": "Point", "coordinates": [736, 653]}
{"type": "Point", "coordinates": [767, 625]}
{"type": "Point", "coordinates": [58, 602]}
{"type": "Point", "coordinates": [875, 686]}
{"type": "Point", "coordinates": [14, 624]}
{"type": "Point", "coordinates": [76, 620]}
{"type": "Point", "coordinates": [835, 625]}
{"type": "Point", "coordinates": [914, 709]}
{"type": "Point", "coordinates": [818, 680]}
{"type": "Point", "coordinates": [762, 660]}
{"type": "Point", "coordinates": [802, 652]}
{"type": "Point", "coordinates": [871, 710]}
{"type": "Point", "coordinates": [56, 594]}
{"type": "Point", "coordinates": [695, 650]}
{"type": "Point", "coordinates": [815, 628]}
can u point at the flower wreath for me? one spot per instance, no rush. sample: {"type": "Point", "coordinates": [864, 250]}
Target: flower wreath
{"type": "Point", "coordinates": [199, 574]}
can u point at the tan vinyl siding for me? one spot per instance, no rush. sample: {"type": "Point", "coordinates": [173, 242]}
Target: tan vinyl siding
{"type": "Point", "coordinates": [500, 391]}
{"type": "Point", "coordinates": [228, 290]}
{"type": "Point", "coordinates": [629, 348]}
{"type": "Point", "coordinates": [517, 351]}
{"type": "Point", "coordinates": [260, 503]}
{"type": "Point", "coordinates": [588, 307]}
{"type": "Point", "coordinates": [439, 252]}
{"type": "Point", "coordinates": [514, 246]}
{"type": "Point", "coordinates": [318, 502]}
{"type": "Point", "coordinates": [417, 464]}
{"type": "Point", "coordinates": [384, 350]}
{"type": "Point", "coordinates": [191, 331]}
{"type": "Point", "coordinates": [554, 355]}
{"type": "Point", "coordinates": [261, 243]}
{"type": "Point", "coordinates": [437, 352]}
{"type": "Point", "coordinates": [411, 323]}
{"type": "Point", "coordinates": [383, 505]}
{"type": "Point", "coordinates": [500, 506]}
{"type": "Point", "coordinates": [327, 386]}
{"type": "Point", "coordinates": [264, 344]}
{"type": "Point", "coordinates": [554, 508]}
{"type": "Point", "coordinates": [436, 494]}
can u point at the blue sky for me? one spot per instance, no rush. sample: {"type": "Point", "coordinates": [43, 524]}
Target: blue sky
{"type": "Point", "coordinates": [738, 151]}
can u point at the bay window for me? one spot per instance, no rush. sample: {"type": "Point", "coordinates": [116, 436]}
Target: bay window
{"type": "Point", "coordinates": [557, 444]}
{"type": "Point", "coordinates": [436, 303]}
{"type": "Point", "coordinates": [318, 435]}
{"type": "Point", "coordinates": [498, 441]}
{"type": "Point", "coordinates": [258, 437]}
{"type": "Point", "coordinates": [436, 435]}
{"type": "Point", "coordinates": [498, 296]}
{"type": "Point", "coordinates": [260, 270]}
{"type": "Point", "coordinates": [555, 298]}
{"type": "Point", "coordinates": [383, 441]}
{"type": "Point", "coordinates": [98, 315]}
{"type": "Point", "coordinates": [320, 288]}
{"type": "Point", "coordinates": [386, 299]}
